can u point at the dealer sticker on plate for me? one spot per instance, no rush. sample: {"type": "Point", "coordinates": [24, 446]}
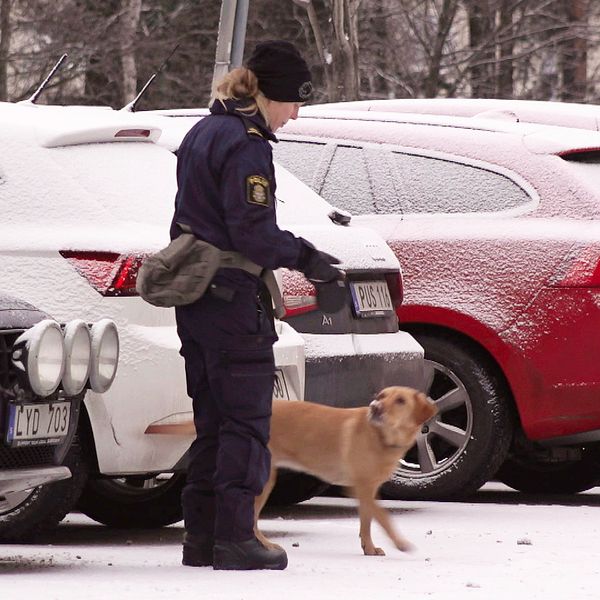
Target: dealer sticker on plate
{"type": "Point", "coordinates": [40, 423]}
{"type": "Point", "coordinates": [371, 298]}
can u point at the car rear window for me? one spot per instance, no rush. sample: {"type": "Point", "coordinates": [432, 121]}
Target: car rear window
{"type": "Point", "coordinates": [134, 181]}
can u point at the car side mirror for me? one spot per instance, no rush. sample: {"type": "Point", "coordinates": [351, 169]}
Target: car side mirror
{"type": "Point", "coordinates": [339, 216]}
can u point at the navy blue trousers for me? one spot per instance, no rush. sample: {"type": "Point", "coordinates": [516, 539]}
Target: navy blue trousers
{"type": "Point", "coordinates": [230, 372]}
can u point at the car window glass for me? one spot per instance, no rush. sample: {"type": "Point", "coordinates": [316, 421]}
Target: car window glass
{"type": "Point", "coordinates": [300, 158]}
{"type": "Point", "coordinates": [432, 185]}
{"type": "Point", "coordinates": [347, 184]}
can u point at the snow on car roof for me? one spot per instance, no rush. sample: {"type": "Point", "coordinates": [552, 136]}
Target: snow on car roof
{"type": "Point", "coordinates": [566, 114]}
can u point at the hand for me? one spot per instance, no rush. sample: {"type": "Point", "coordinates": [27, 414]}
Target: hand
{"type": "Point", "coordinates": [318, 267]}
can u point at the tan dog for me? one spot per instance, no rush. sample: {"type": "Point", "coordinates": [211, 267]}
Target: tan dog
{"type": "Point", "coordinates": [358, 448]}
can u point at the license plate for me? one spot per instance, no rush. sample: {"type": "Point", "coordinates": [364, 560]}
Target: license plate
{"type": "Point", "coordinates": [371, 298]}
{"type": "Point", "coordinates": [35, 424]}
{"type": "Point", "coordinates": [280, 389]}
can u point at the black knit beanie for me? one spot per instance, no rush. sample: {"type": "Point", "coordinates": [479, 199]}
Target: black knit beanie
{"type": "Point", "coordinates": [281, 71]}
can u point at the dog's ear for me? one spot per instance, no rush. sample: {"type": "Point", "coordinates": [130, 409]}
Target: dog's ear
{"type": "Point", "coordinates": [426, 407]}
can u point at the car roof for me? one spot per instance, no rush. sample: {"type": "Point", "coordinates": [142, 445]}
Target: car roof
{"type": "Point", "coordinates": [538, 138]}
{"type": "Point", "coordinates": [565, 114]}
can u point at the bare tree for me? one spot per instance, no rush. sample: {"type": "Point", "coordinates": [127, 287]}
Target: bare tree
{"type": "Point", "coordinates": [336, 42]}
{"type": "Point", "coordinates": [5, 34]}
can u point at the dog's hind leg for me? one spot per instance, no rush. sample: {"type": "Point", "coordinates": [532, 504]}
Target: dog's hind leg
{"type": "Point", "coordinates": [259, 504]}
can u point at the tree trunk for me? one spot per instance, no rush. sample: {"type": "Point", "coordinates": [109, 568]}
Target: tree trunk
{"type": "Point", "coordinates": [504, 84]}
{"type": "Point", "coordinates": [446, 17]}
{"type": "Point", "coordinates": [573, 52]}
{"type": "Point", "coordinates": [481, 27]}
{"type": "Point", "coordinates": [4, 47]}
{"type": "Point", "coordinates": [130, 19]}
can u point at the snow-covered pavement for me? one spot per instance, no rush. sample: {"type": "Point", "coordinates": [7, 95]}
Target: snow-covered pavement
{"type": "Point", "coordinates": [501, 546]}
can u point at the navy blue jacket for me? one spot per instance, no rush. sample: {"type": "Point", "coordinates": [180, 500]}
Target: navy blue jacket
{"type": "Point", "coordinates": [226, 191]}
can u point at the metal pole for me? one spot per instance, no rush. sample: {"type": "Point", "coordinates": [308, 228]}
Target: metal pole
{"type": "Point", "coordinates": [224, 38]}
{"type": "Point", "coordinates": [239, 33]}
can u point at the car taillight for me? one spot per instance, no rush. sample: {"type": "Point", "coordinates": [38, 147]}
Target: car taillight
{"type": "Point", "coordinates": [394, 281]}
{"type": "Point", "coordinates": [582, 270]}
{"type": "Point", "coordinates": [109, 273]}
{"type": "Point", "coordinates": [299, 295]}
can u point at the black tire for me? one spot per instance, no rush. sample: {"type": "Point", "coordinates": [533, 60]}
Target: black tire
{"type": "Point", "coordinates": [292, 487]}
{"type": "Point", "coordinates": [28, 515]}
{"type": "Point", "coordinates": [464, 445]}
{"type": "Point", "coordinates": [530, 474]}
{"type": "Point", "coordinates": [134, 502]}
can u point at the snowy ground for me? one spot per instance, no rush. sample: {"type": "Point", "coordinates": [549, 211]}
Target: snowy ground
{"type": "Point", "coordinates": [501, 546]}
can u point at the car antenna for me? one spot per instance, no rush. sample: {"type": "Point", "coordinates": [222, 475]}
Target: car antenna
{"type": "Point", "coordinates": [32, 99]}
{"type": "Point", "coordinates": [131, 106]}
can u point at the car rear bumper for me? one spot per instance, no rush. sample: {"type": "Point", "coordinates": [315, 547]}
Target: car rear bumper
{"type": "Point", "coordinates": [347, 370]}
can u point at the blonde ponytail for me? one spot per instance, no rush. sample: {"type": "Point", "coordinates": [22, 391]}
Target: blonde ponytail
{"type": "Point", "coordinates": [238, 84]}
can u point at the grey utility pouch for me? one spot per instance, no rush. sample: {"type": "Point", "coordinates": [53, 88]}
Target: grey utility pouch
{"type": "Point", "coordinates": [181, 273]}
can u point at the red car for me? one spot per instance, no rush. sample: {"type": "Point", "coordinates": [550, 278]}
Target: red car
{"type": "Point", "coordinates": [496, 225]}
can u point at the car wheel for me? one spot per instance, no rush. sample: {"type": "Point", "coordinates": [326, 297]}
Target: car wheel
{"type": "Point", "coordinates": [464, 445]}
{"type": "Point", "coordinates": [292, 487]}
{"type": "Point", "coordinates": [134, 502]}
{"type": "Point", "coordinates": [530, 473]}
{"type": "Point", "coordinates": [27, 515]}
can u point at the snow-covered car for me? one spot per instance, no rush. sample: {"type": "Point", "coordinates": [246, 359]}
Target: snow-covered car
{"type": "Point", "coordinates": [99, 197]}
{"type": "Point", "coordinates": [45, 370]}
{"type": "Point", "coordinates": [497, 225]}
{"type": "Point", "coordinates": [83, 200]}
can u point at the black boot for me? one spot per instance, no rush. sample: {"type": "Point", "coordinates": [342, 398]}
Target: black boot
{"type": "Point", "coordinates": [247, 555]}
{"type": "Point", "coordinates": [197, 550]}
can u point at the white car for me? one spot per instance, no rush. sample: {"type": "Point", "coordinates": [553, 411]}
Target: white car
{"type": "Point", "coordinates": [82, 201]}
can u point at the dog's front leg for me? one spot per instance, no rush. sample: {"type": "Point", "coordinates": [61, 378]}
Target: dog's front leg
{"type": "Point", "coordinates": [259, 504]}
{"type": "Point", "coordinates": [383, 518]}
{"type": "Point", "coordinates": [365, 511]}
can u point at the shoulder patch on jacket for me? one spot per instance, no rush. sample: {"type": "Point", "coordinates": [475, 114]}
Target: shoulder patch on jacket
{"type": "Point", "coordinates": [257, 190]}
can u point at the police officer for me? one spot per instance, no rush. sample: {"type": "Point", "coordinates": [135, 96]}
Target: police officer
{"type": "Point", "coordinates": [226, 195]}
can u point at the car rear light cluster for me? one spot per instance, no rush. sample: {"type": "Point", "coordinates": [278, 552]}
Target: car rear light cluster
{"type": "Point", "coordinates": [583, 270]}
{"type": "Point", "coordinates": [109, 273]}
{"type": "Point", "coordinates": [299, 295]}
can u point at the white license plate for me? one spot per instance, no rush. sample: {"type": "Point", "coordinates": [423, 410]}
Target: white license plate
{"type": "Point", "coordinates": [371, 298]}
{"type": "Point", "coordinates": [280, 389]}
{"type": "Point", "coordinates": [30, 424]}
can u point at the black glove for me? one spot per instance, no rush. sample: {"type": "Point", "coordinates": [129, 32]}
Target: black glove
{"type": "Point", "coordinates": [328, 281]}
{"type": "Point", "coordinates": [317, 266]}
{"type": "Point", "coordinates": [331, 296]}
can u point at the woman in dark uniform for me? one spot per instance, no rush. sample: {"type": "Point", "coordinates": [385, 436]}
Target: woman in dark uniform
{"type": "Point", "coordinates": [226, 195]}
